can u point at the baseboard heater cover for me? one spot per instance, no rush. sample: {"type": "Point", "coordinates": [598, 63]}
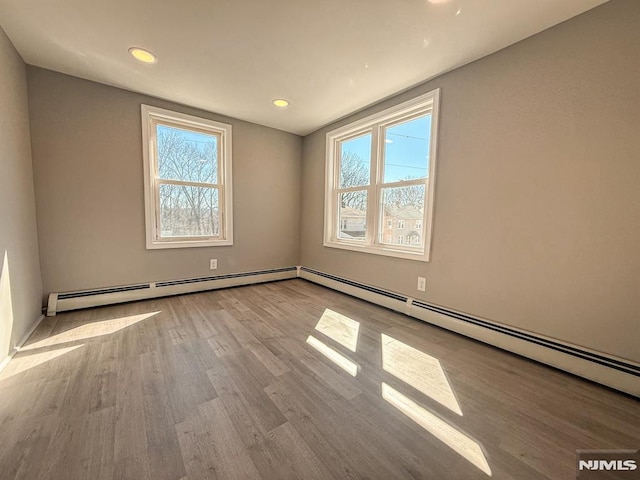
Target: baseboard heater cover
{"type": "Point", "coordinates": [608, 370]}
{"type": "Point", "coordinates": [61, 302]}
{"type": "Point", "coordinates": [376, 295]}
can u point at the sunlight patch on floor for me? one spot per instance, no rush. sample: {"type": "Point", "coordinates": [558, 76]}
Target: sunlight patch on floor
{"type": "Point", "coordinates": [336, 357]}
{"type": "Point", "coordinates": [443, 431]}
{"type": "Point", "coordinates": [340, 328]}
{"type": "Point", "coordinates": [89, 330]}
{"type": "Point", "coordinates": [22, 363]}
{"type": "Point", "coordinates": [420, 370]}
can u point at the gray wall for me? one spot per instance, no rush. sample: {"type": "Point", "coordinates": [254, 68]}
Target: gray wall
{"type": "Point", "coordinates": [20, 284]}
{"type": "Point", "coordinates": [537, 210]}
{"type": "Point", "coordinates": [87, 154]}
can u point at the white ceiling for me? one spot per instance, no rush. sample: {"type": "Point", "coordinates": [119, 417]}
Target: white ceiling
{"type": "Point", "coordinates": [233, 57]}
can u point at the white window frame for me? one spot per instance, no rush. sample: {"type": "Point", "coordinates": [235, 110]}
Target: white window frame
{"type": "Point", "coordinates": [375, 125]}
{"type": "Point", "coordinates": [151, 117]}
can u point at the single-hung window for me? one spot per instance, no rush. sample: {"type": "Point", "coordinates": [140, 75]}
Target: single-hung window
{"type": "Point", "coordinates": [380, 173]}
{"type": "Point", "coordinates": [187, 166]}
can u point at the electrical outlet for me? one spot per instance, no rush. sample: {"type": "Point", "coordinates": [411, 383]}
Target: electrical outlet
{"type": "Point", "coordinates": [213, 264]}
{"type": "Point", "coordinates": [422, 284]}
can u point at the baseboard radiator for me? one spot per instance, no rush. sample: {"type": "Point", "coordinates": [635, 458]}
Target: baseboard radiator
{"type": "Point", "coordinates": [608, 370]}
{"type": "Point", "coordinates": [61, 302]}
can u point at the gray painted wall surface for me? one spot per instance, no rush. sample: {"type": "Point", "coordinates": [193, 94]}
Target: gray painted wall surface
{"type": "Point", "coordinates": [87, 153]}
{"type": "Point", "coordinates": [537, 209]}
{"type": "Point", "coordinates": [20, 283]}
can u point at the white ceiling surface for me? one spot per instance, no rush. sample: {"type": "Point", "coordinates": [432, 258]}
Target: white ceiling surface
{"type": "Point", "coordinates": [233, 57]}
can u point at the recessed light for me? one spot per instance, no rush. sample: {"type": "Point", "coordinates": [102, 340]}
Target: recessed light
{"type": "Point", "coordinates": [281, 102]}
{"type": "Point", "coordinates": [143, 55]}
{"type": "Point", "coordinates": [438, 1]}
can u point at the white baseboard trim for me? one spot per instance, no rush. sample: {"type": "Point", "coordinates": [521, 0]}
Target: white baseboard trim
{"type": "Point", "coordinates": [20, 343]}
{"type": "Point", "coordinates": [605, 369]}
{"type": "Point", "coordinates": [60, 302]}
{"type": "Point", "coordinates": [375, 295]}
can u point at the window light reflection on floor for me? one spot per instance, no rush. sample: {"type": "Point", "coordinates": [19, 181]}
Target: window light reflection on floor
{"type": "Point", "coordinates": [340, 328]}
{"type": "Point", "coordinates": [22, 363]}
{"type": "Point", "coordinates": [443, 431]}
{"type": "Point", "coordinates": [90, 330]}
{"type": "Point", "coordinates": [30, 356]}
{"type": "Point", "coordinates": [336, 357]}
{"type": "Point", "coordinates": [420, 370]}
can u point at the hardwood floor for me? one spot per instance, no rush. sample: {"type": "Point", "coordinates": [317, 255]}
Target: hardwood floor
{"type": "Point", "coordinates": [289, 380]}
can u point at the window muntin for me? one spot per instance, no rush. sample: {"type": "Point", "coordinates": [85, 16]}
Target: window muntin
{"type": "Point", "coordinates": [381, 170]}
{"type": "Point", "coordinates": [187, 164]}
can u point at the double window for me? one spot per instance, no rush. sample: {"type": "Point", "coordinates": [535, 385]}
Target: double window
{"type": "Point", "coordinates": [187, 164]}
{"type": "Point", "coordinates": [380, 177]}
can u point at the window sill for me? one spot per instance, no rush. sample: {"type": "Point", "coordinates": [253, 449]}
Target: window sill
{"type": "Point", "coordinates": [188, 244]}
{"type": "Point", "coordinates": [387, 251]}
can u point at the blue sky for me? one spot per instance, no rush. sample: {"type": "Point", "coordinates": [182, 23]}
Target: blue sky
{"type": "Point", "coordinates": [406, 149]}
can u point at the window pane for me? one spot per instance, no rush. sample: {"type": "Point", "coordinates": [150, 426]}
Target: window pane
{"type": "Point", "coordinates": [187, 155]}
{"type": "Point", "coordinates": [355, 161]}
{"type": "Point", "coordinates": [353, 215]}
{"type": "Point", "coordinates": [406, 150]}
{"type": "Point", "coordinates": [188, 211]}
{"type": "Point", "coordinates": [402, 213]}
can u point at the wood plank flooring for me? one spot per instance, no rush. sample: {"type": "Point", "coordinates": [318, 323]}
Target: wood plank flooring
{"type": "Point", "coordinates": [289, 380]}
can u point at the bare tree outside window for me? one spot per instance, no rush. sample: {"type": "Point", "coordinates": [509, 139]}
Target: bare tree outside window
{"type": "Point", "coordinates": [403, 196]}
{"type": "Point", "coordinates": [186, 156]}
{"type": "Point", "coordinates": [354, 172]}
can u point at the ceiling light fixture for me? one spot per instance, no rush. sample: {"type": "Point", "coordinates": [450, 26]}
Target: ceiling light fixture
{"type": "Point", "coordinates": [143, 55]}
{"type": "Point", "coordinates": [281, 102]}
